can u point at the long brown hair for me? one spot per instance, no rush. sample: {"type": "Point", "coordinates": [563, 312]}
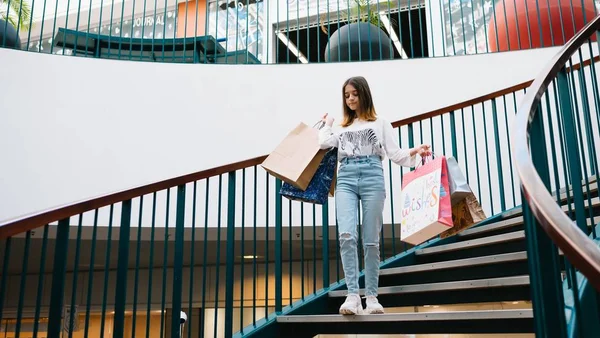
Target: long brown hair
{"type": "Point", "coordinates": [367, 110]}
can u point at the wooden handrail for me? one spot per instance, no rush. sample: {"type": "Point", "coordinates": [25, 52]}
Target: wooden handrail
{"type": "Point", "coordinates": [33, 220]}
{"type": "Point", "coordinates": [580, 250]}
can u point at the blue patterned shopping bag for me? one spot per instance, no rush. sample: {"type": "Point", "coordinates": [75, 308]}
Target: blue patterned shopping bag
{"type": "Point", "coordinates": [319, 187]}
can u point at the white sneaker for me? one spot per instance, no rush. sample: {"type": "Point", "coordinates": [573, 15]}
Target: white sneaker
{"type": "Point", "coordinates": [373, 306]}
{"type": "Point", "coordinates": [352, 305]}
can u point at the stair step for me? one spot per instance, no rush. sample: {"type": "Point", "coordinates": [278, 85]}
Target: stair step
{"type": "Point", "coordinates": [440, 322]}
{"type": "Point", "coordinates": [445, 286]}
{"type": "Point", "coordinates": [410, 317]}
{"type": "Point", "coordinates": [474, 243]}
{"type": "Point", "coordinates": [458, 263]}
{"type": "Point", "coordinates": [501, 225]}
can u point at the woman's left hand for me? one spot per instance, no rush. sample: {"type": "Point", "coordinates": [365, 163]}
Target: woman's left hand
{"type": "Point", "coordinates": [424, 150]}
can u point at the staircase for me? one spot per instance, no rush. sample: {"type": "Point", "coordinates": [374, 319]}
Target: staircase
{"type": "Point", "coordinates": [483, 264]}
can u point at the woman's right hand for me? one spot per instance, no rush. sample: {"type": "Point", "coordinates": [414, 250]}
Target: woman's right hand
{"type": "Point", "coordinates": [328, 119]}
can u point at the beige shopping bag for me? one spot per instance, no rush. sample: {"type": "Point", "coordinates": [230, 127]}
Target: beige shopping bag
{"type": "Point", "coordinates": [297, 157]}
{"type": "Point", "coordinates": [465, 213]}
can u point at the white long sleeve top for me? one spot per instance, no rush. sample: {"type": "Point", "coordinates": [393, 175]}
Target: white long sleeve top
{"type": "Point", "coordinates": [366, 138]}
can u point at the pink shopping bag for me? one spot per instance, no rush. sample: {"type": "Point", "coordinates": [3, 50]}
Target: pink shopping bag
{"type": "Point", "coordinates": [425, 201]}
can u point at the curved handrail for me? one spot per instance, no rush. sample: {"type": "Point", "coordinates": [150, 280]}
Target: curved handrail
{"type": "Point", "coordinates": [33, 220]}
{"type": "Point", "coordinates": [581, 251]}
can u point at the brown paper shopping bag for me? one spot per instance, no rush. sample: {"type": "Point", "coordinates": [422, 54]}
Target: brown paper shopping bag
{"type": "Point", "coordinates": [296, 159]}
{"type": "Point", "coordinates": [465, 214]}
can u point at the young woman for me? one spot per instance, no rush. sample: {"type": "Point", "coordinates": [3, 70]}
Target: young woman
{"type": "Point", "coordinates": [362, 140]}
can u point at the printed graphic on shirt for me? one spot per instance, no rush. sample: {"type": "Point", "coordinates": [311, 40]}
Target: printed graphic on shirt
{"type": "Point", "coordinates": [360, 143]}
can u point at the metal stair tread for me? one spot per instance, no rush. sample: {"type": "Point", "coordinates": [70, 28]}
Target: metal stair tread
{"type": "Point", "coordinates": [473, 243]}
{"type": "Point", "coordinates": [411, 317]}
{"type": "Point", "coordinates": [511, 222]}
{"type": "Point", "coordinates": [445, 286]}
{"type": "Point", "coordinates": [474, 261]}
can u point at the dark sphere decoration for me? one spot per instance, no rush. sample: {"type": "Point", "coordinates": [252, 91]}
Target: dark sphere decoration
{"type": "Point", "coordinates": [9, 37]}
{"type": "Point", "coordinates": [366, 41]}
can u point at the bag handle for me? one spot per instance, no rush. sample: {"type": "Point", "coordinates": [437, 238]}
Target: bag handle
{"type": "Point", "coordinates": [321, 123]}
{"type": "Point", "coordinates": [426, 159]}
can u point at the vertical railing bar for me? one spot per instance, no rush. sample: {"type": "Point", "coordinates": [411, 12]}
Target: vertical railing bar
{"type": "Point", "coordinates": [325, 221]}
{"type": "Point", "coordinates": [451, 25]}
{"type": "Point", "coordinates": [473, 25]}
{"type": "Point", "coordinates": [41, 39]}
{"type": "Point", "coordinates": [392, 206]}
{"type": "Point", "coordinates": [487, 158]}
{"type": "Point", "coordinates": [267, 246]}
{"type": "Point", "coordinates": [151, 264]}
{"type": "Point", "coordinates": [278, 248]}
{"type": "Point", "coordinates": [578, 130]}
{"type": "Point", "coordinates": [553, 147]}
{"type": "Point", "coordinates": [122, 267]}
{"type": "Point", "coordinates": [432, 36]}
{"type": "Point", "coordinates": [23, 283]}
{"type": "Point", "coordinates": [378, 31]}
{"type": "Point", "coordinates": [185, 24]}
{"type": "Point", "coordinates": [136, 277]}
{"type": "Point", "coordinates": [106, 269]}
{"type": "Point", "coordinates": [431, 134]}
{"type": "Point", "coordinates": [591, 147]}
{"type": "Point", "coordinates": [66, 26]}
{"type": "Point", "coordinates": [595, 90]}
{"type": "Point", "coordinates": [464, 132]}
{"type": "Point", "coordinates": [302, 247]}
{"type": "Point", "coordinates": [40, 287]}
{"type": "Point", "coordinates": [192, 259]}
{"type": "Point", "coordinates": [290, 252]}
{"type": "Point", "coordinates": [130, 55]}
{"type": "Point", "coordinates": [528, 27]}
{"type": "Point", "coordinates": [498, 156]}
{"type": "Point", "coordinates": [112, 6]}
{"type": "Point", "coordinates": [475, 148]}
{"type": "Point", "coordinates": [91, 275]}
{"type": "Point", "coordinates": [421, 31]}
{"type": "Point", "coordinates": [510, 163]}
{"type": "Point", "coordinates": [493, 9]}
{"type": "Point", "coordinates": [143, 37]}
{"type": "Point", "coordinates": [254, 267]}
{"type": "Point", "coordinates": [218, 261]}
{"type": "Point", "coordinates": [74, 287]}
{"type": "Point", "coordinates": [32, 10]}
{"type": "Point", "coordinates": [5, 265]}
{"type": "Point", "coordinates": [308, 25]}
{"type": "Point", "coordinates": [587, 116]}
{"type": "Point", "coordinates": [462, 22]}
{"type": "Point", "coordinates": [314, 253]}
{"type": "Point", "coordinates": [453, 135]}
{"type": "Point", "coordinates": [54, 25]}
{"type": "Point", "coordinates": [573, 149]}
{"type": "Point", "coordinates": [243, 249]}
{"type": "Point", "coordinates": [563, 149]}
{"type": "Point", "coordinates": [58, 278]}
{"type": "Point", "coordinates": [178, 262]}
{"type": "Point", "coordinates": [230, 257]}
{"type": "Point", "coordinates": [539, 19]}
{"type": "Point", "coordinates": [441, 25]}
{"type": "Point", "coordinates": [247, 60]}
{"type": "Point", "coordinates": [121, 27]}
{"type": "Point", "coordinates": [163, 298]}
{"type": "Point", "coordinates": [443, 134]}
{"type": "Point", "coordinates": [204, 256]}
{"type": "Point", "coordinates": [164, 38]}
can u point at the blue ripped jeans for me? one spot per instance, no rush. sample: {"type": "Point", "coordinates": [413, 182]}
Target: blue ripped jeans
{"type": "Point", "coordinates": [360, 178]}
